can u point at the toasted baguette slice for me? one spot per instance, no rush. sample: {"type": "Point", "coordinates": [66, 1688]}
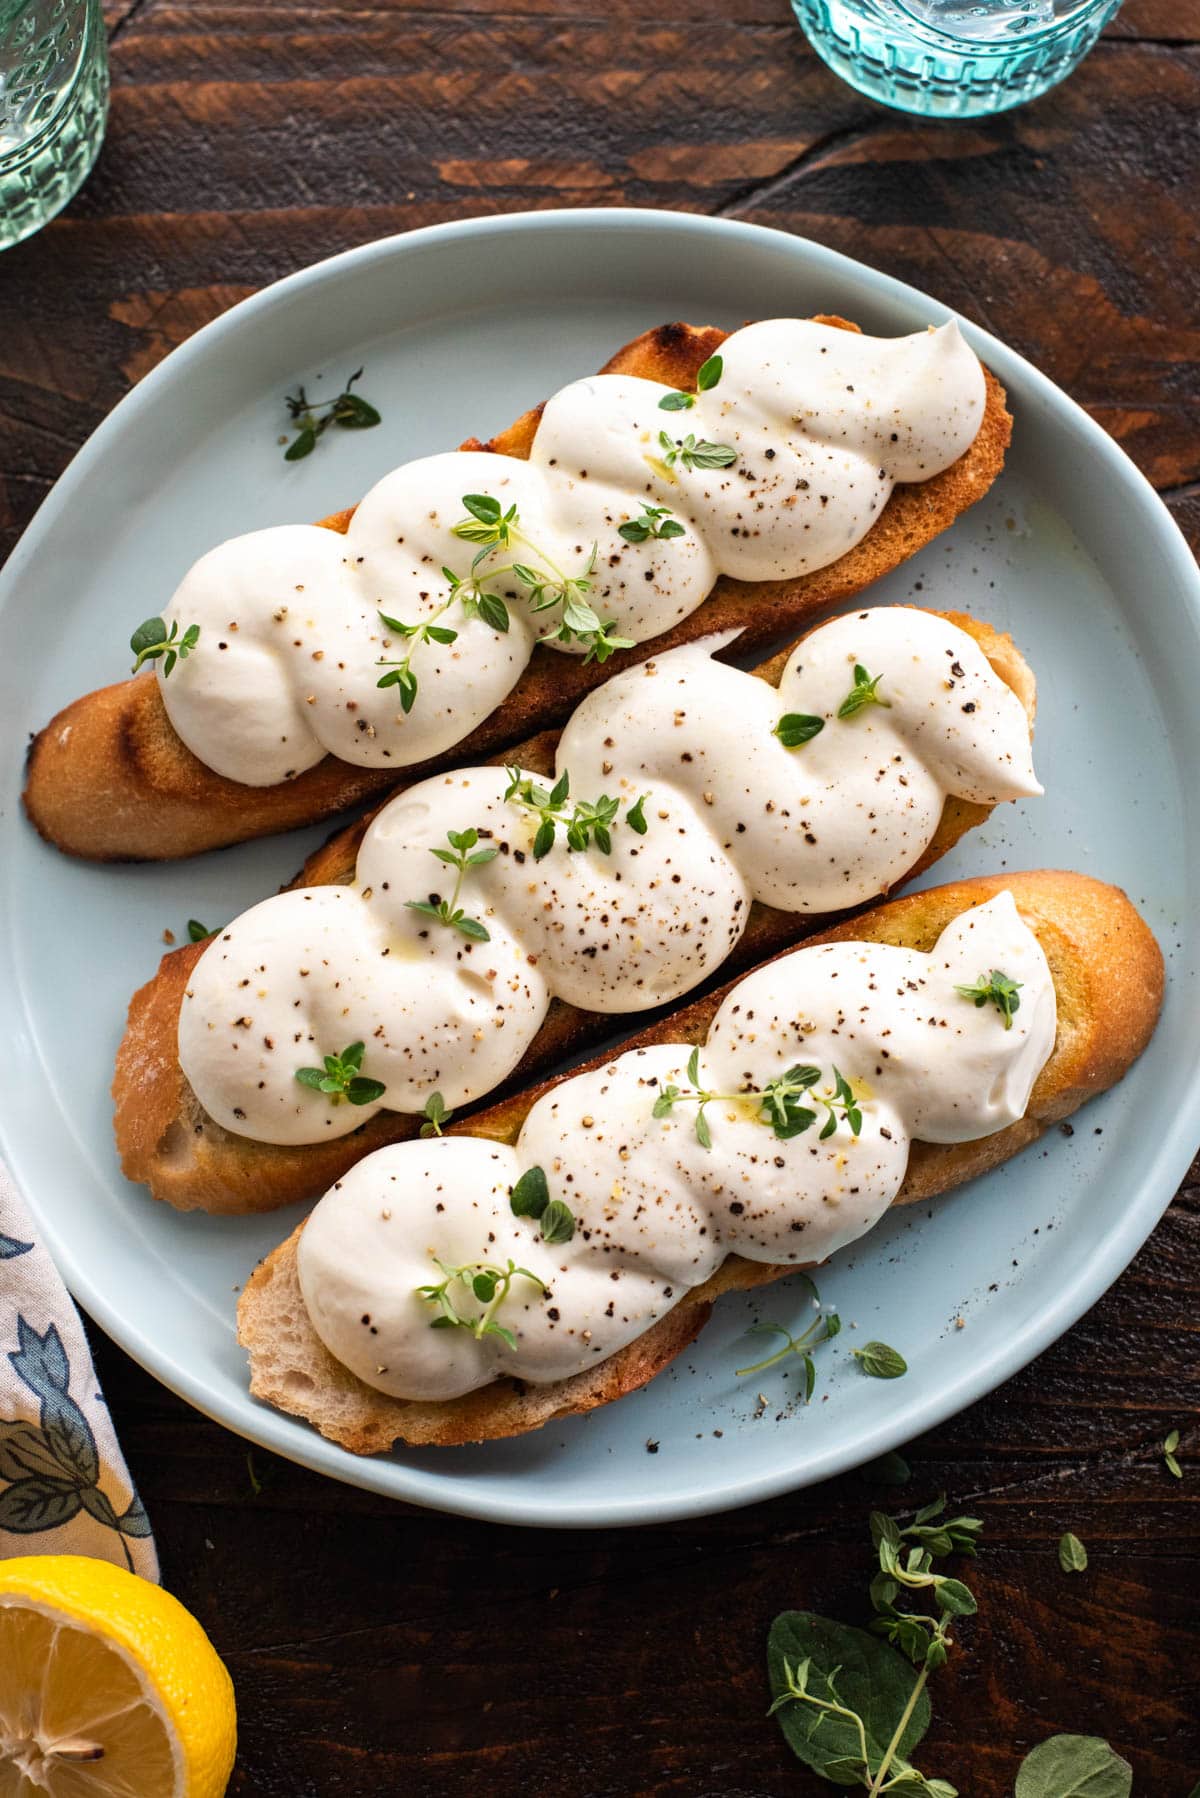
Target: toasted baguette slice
{"type": "Point", "coordinates": [1108, 977]}
{"type": "Point", "coordinates": [167, 1140]}
{"type": "Point", "coordinates": [109, 779]}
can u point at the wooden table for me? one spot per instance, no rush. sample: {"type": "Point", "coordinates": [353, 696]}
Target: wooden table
{"type": "Point", "coordinates": [381, 1650]}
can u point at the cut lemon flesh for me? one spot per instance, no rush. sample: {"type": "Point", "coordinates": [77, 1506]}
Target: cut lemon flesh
{"type": "Point", "coordinates": [108, 1688]}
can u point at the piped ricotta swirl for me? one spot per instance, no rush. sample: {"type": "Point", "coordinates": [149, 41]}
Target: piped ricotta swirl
{"type": "Point", "coordinates": [822, 423]}
{"type": "Point", "coordinates": [732, 816]}
{"type": "Point", "coordinates": [656, 1212]}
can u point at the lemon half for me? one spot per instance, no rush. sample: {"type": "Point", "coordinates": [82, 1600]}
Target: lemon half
{"type": "Point", "coordinates": [108, 1687]}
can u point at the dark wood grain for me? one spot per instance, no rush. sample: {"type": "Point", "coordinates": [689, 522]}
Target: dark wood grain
{"type": "Point", "coordinates": [377, 1649]}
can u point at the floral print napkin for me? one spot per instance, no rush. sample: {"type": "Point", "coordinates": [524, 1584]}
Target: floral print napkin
{"type": "Point", "coordinates": [64, 1485]}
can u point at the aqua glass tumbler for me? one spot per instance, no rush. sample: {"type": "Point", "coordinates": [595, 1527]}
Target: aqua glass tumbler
{"type": "Point", "coordinates": [953, 59]}
{"type": "Point", "coordinates": [53, 107]}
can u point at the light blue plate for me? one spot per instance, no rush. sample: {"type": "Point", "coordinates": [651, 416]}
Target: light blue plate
{"type": "Point", "coordinates": [460, 328]}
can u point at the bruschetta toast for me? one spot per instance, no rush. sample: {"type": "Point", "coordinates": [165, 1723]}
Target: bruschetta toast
{"type": "Point", "coordinates": [110, 779]}
{"type": "Point", "coordinates": [1106, 974]}
{"type": "Point", "coordinates": [188, 1158]}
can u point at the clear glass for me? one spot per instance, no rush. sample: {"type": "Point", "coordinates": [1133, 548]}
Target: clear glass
{"type": "Point", "coordinates": [953, 59]}
{"type": "Point", "coordinates": [53, 107]}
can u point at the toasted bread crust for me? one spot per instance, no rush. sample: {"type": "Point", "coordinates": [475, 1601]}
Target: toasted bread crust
{"type": "Point", "coordinates": [168, 1141]}
{"type": "Point", "coordinates": [1108, 977]}
{"type": "Point", "coordinates": [109, 779]}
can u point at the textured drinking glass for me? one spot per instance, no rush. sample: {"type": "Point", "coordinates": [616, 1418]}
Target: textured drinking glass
{"type": "Point", "coordinates": [953, 59]}
{"type": "Point", "coordinates": [53, 104]}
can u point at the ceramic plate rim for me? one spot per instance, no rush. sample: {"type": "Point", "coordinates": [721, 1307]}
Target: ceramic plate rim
{"type": "Point", "coordinates": [1098, 1268]}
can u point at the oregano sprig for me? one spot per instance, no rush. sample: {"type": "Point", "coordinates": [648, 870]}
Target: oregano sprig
{"type": "Point", "coordinates": [997, 988]}
{"type": "Point", "coordinates": [588, 821]}
{"type": "Point", "coordinates": [487, 1282]}
{"type": "Point", "coordinates": [312, 418]}
{"type": "Point", "coordinates": [152, 639]}
{"type": "Point", "coordinates": [341, 1077]}
{"type": "Point", "coordinates": [462, 856]}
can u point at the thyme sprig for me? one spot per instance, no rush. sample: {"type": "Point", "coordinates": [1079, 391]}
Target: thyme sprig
{"type": "Point", "coordinates": [152, 639]}
{"type": "Point", "coordinates": [864, 693]}
{"type": "Point", "coordinates": [342, 1078]}
{"type": "Point", "coordinates": [312, 418]}
{"type": "Point", "coordinates": [590, 820]}
{"type": "Point", "coordinates": [657, 523]}
{"type": "Point", "coordinates": [548, 586]}
{"type": "Point", "coordinates": [435, 1114]}
{"type": "Point", "coordinates": [487, 1282]}
{"type": "Point", "coordinates": [822, 1329]}
{"type": "Point", "coordinates": [999, 989]}
{"type": "Point", "coordinates": [687, 453]}
{"type": "Point", "coordinates": [462, 856]}
{"type": "Point", "coordinates": [400, 673]}
{"type": "Point", "coordinates": [466, 591]}
{"type": "Point", "coordinates": [709, 374]}
{"type": "Point", "coordinates": [779, 1102]}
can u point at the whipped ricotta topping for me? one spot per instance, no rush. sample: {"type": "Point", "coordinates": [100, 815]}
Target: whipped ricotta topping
{"type": "Point", "coordinates": [656, 1211]}
{"type": "Point", "coordinates": [820, 424]}
{"type": "Point", "coordinates": [731, 816]}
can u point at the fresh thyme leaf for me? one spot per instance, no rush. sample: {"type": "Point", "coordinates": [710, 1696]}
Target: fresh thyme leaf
{"type": "Point", "coordinates": [198, 932]}
{"type": "Point", "coordinates": [493, 611]}
{"type": "Point", "coordinates": [1072, 1555]}
{"type": "Point", "coordinates": [997, 987]}
{"type": "Point", "coordinates": [152, 639]}
{"type": "Point", "coordinates": [797, 728]}
{"type": "Point", "coordinates": [1073, 1767]}
{"type": "Point", "coordinates": [531, 1195]}
{"type": "Point", "coordinates": [635, 817]}
{"type": "Point", "coordinates": [710, 373]}
{"type": "Point", "coordinates": [435, 1115]}
{"type": "Point", "coordinates": [690, 454]}
{"type": "Point", "coordinates": [864, 692]}
{"type": "Point", "coordinates": [313, 417]}
{"type": "Point", "coordinates": [340, 1078]}
{"type": "Point", "coordinates": [1169, 1455]}
{"type": "Point", "coordinates": [303, 444]}
{"type": "Point", "coordinates": [703, 1133]}
{"type": "Point", "coordinates": [677, 402]}
{"type": "Point", "coordinates": [889, 1470]}
{"type": "Point", "coordinates": [880, 1361]}
{"type": "Point", "coordinates": [462, 856]}
{"type": "Point", "coordinates": [656, 522]}
{"type": "Point", "coordinates": [558, 1222]}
